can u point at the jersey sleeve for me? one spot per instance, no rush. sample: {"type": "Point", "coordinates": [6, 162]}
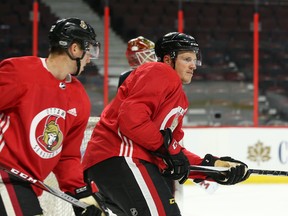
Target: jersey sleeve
{"type": "Point", "coordinates": [9, 84]}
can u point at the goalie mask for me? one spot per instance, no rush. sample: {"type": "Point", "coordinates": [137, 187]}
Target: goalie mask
{"type": "Point", "coordinates": [140, 50]}
{"type": "Point", "coordinates": [173, 42]}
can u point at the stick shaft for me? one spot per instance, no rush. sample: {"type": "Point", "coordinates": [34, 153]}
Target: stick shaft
{"type": "Point", "coordinates": [269, 172]}
{"type": "Point", "coordinates": [208, 168]}
{"type": "Point", "coordinates": [44, 187]}
{"type": "Point", "coordinates": [211, 169]}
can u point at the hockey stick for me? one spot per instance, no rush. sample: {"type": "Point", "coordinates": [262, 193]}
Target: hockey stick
{"type": "Point", "coordinates": [212, 169]}
{"type": "Point", "coordinates": [269, 172]}
{"type": "Point", "coordinates": [208, 169]}
{"type": "Point", "coordinates": [44, 187]}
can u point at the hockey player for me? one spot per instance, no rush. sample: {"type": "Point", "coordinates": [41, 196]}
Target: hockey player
{"type": "Point", "coordinates": [135, 145]}
{"type": "Point", "coordinates": [139, 51]}
{"type": "Point", "coordinates": [44, 111]}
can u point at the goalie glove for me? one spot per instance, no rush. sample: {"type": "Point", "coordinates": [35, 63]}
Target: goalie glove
{"type": "Point", "coordinates": [95, 201]}
{"type": "Point", "coordinates": [237, 172]}
{"type": "Point", "coordinates": [177, 162]}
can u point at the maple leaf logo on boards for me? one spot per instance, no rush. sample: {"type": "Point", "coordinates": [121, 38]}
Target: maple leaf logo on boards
{"type": "Point", "coordinates": [259, 153]}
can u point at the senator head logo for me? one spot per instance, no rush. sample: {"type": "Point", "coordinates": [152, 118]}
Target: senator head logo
{"type": "Point", "coordinates": [52, 136]}
{"type": "Point", "coordinates": [46, 135]}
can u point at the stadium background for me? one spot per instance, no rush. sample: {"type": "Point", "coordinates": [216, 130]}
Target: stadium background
{"type": "Point", "coordinates": [222, 92]}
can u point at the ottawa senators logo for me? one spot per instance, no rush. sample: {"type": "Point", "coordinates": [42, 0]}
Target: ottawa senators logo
{"type": "Point", "coordinates": [52, 136]}
{"type": "Point", "coordinates": [46, 135]}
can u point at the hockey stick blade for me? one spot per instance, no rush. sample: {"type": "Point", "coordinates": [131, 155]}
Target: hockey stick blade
{"type": "Point", "coordinates": [211, 169]}
{"type": "Point", "coordinates": [44, 187]}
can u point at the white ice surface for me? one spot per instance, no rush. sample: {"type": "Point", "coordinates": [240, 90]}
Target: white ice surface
{"type": "Point", "coordinates": [237, 200]}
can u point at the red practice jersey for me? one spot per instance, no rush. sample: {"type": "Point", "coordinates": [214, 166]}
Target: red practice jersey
{"type": "Point", "coordinates": [42, 121]}
{"type": "Point", "coordinates": [150, 99]}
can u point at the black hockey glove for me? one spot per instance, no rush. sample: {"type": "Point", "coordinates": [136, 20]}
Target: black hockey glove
{"type": "Point", "coordinates": [237, 172]}
{"type": "Point", "coordinates": [177, 162]}
{"type": "Point", "coordinates": [95, 201]}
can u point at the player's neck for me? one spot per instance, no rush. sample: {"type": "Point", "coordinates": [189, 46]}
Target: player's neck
{"type": "Point", "coordinates": [59, 66]}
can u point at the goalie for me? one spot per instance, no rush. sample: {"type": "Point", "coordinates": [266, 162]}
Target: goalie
{"type": "Point", "coordinates": [139, 51]}
{"type": "Point", "coordinates": [135, 147]}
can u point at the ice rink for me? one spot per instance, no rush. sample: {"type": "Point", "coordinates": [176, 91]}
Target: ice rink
{"type": "Point", "coordinates": [236, 200]}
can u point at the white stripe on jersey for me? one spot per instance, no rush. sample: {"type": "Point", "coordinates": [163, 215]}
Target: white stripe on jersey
{"type": "Point", "coordinates": [4, 124]}
{"type": "Point", "coordinates": [131, 148]}
{"type": "Point", "coordinates": [126, 148]}
{"type": "Point", "coordinates": [122, 144]}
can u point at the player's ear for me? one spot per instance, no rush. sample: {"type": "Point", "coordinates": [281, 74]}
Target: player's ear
{"type": "Point", "coordinates": [74, 49]}
{"type": "Point", "coordinates": [167, 59]}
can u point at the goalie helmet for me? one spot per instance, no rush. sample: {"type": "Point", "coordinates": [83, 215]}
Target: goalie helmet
{"type": "Point", "coordinates": [174, 42]}
{"type": "Point", "coordinates": [140, 50]}
{"type": "Point", "coordinates": [66, 31]}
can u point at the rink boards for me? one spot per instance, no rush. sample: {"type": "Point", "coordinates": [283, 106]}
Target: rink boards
{"type": "Point", "coordinates": [260, 148]}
